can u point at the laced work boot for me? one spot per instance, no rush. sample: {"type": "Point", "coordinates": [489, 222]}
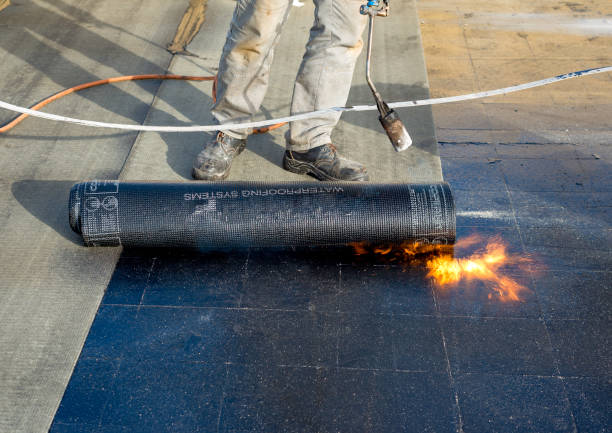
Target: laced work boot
{"type": "Point", "coordinates": [215, 160]}
{"type": "Point", "coordinates": [324, 163]}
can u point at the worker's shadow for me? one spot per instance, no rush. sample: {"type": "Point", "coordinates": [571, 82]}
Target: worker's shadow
{"type": "Point", "coordinates": [47, 201]}
{"type": "Point", "coordinates": [106, 52]}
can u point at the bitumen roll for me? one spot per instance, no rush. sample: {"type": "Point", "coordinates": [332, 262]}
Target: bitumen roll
{"type": "Point", "coordinates": [259, 214]}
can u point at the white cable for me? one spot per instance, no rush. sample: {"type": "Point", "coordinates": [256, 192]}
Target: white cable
{"type": "Point", "coordinates": [308, 115]}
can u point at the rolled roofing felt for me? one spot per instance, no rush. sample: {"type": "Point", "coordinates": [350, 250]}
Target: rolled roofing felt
{"type": "Point", "coordinates": [259, 214]}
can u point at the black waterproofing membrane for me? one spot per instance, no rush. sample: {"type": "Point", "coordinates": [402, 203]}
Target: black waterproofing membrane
{"type": "Point", "coordinates": [259, 214]}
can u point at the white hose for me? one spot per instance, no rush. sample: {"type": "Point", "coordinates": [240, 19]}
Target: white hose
{"type": "Point", "coordinates": [307, 115]}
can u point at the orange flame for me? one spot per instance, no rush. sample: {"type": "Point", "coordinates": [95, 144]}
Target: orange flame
{"type": "Point", "coordinates": [485, 264]}
{"type": "Point", "coordinates": [383, 251]}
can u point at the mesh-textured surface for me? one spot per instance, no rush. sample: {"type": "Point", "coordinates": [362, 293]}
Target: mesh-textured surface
{"type": "Point", "coordinates": [244, 214]}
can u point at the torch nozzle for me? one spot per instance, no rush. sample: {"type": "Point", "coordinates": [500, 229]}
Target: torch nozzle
{"type": "Point", "coordinates": [400, 139]}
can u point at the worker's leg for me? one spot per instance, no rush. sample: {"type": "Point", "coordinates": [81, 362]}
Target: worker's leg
{"type": "Point", "coordinates": [326, 72]}
{"type": "Point", "coordinates": [242, 80]}
{"type": "Point", "coordinates": [245, 62]}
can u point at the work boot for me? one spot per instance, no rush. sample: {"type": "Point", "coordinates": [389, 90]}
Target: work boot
{"type": "Point", "coordinates": [215, 160]}
{"type": "Point", "coordinates": [324, 163]}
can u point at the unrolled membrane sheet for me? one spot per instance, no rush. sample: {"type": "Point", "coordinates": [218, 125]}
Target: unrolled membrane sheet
{"type": "Point", "coordinates": [259, 214]}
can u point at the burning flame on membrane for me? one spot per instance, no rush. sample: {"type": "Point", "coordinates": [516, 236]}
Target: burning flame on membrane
{"type": "Point", "coordinates": [485, 263]}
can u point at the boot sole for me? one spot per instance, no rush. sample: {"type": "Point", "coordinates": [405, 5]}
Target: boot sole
{"type": "Point", "coordinates": [307, 168]}
{"type": "Point", "coordinates": [202, 175]}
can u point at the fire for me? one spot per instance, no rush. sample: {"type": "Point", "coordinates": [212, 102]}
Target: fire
{"type": "Point", "coordinates": [383, 251]}
{"type": "Point", "coordinates": [484, 264]}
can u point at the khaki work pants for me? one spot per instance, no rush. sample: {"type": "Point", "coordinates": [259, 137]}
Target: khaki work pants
{"type": "Point", "coordinates": [324, 77]}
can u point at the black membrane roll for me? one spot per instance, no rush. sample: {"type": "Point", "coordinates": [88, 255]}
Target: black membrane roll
{"type": "Point", "coordinates": [259, 214]}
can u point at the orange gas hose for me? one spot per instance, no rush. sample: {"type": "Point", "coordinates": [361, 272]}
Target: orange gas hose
{"type": "Point", "coordinates": [10, 125]}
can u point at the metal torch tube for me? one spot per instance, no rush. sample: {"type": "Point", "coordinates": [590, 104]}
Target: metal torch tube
{"type": "Point", "coordinates": [382, 106]}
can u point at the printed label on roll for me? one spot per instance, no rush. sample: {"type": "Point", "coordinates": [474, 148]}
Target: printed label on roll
{"type": "Point", "coordinates": [100, 217]}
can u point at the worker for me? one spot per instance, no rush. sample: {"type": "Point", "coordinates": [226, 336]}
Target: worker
{"type": "Point", "coordinates": [323, 81]}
